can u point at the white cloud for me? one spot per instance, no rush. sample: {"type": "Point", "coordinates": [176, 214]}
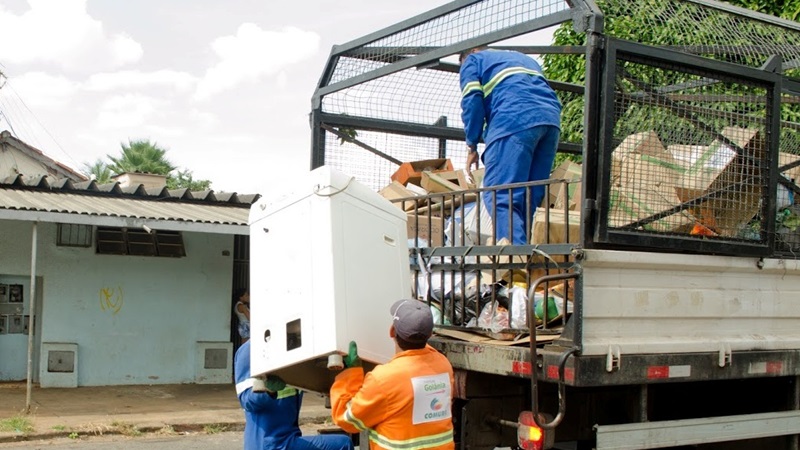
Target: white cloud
{"type": "Point", "coordinates": [253, 53]}
{"type": "Point", "coordinates": [41, 90]}
{"type": "Point", "coordinates": [135, 79]}
{"type": "Point", "coordinates": [62, 32]}
{"type": "Point", "coordinates": [128, 111]}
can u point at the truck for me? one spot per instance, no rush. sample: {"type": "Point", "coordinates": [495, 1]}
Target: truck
{"type": "Point", "coordinates": [672, 258]}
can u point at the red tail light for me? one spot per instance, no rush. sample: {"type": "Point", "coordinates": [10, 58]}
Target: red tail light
{"type": "Point", "coordinates": [529, 435]}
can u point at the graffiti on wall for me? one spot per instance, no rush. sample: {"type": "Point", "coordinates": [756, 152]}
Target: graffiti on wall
{"type": "Point", "coordinates": [111, 299]}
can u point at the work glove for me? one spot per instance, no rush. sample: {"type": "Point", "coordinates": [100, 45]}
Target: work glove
{"type": "Point", "coordinates": [275, 383]}
{"type": "Point", "coordinates": [351, 359]}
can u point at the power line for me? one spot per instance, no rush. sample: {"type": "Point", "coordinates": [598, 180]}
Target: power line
{"type": "Point", "coordinates": [18, 97]}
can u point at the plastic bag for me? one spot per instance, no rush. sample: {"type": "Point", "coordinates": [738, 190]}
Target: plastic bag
{"type": "Point", "coordinates": [494, 317]}
{"type": "Point", "coordinates": [519, 307]}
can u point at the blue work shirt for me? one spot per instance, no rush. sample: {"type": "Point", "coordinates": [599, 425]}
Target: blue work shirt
{"type": "Point", "coordinates": [504, 92]}
{"type": "Point", "coordinates": [270, 421]}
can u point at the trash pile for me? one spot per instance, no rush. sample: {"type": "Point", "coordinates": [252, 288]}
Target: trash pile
{"type": "Point", "coordinates": [493, 300]}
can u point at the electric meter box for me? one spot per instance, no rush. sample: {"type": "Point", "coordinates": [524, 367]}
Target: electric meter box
{"type": "Point", "coordinates": [328, 257]}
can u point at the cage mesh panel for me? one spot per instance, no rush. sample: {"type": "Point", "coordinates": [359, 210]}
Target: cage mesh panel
{"type": "Point", "coordinates": [469, 22]}
{"type": "Point", "coordinates": [415, 96]}
{"type": "Point", "coordinates": [788, 218]}
{"type": "Point", "coordinates": [706, 31]}
{"type": "Point", "coordinates": [375, 171]}
{"type": "Point", "coordinates": [671, 149]}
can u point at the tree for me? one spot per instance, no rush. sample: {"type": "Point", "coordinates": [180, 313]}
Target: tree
{"type": "Point", "coordinates": [185, 179]}
{"type": "Point", "coordinates": [657, 23]}
{"type": "Point", "coordinates": [141, 156]}
{"type": "Point", "coordinates": [98, 171]}
{"type": "Point", "coordinates": [144, 156]}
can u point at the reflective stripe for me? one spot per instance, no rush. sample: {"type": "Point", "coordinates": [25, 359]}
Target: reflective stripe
{"type": "Point", "coordinates": [287, 392]}
{"type": "Point", "coordinates": [248, 383]}
{"type": "Point", "coordinates": [353, 420]}
{"type": "Point", "coordinates": [471, 86]}
{"type": "Point", "coordinates": [418, 443]}
{"type": "Point", "coordinates": [244, 385]}
{"type": "Point", "coordinates": [505, 73]}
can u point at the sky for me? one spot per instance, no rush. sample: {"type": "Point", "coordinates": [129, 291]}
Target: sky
{"type": "Point", "coordinates": [224, 86]}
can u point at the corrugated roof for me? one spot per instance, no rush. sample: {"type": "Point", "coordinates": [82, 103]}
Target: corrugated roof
{"type": "Point", "coordinates": [40, 194]}
{"type": "Point", "coordinates": [116, 206]}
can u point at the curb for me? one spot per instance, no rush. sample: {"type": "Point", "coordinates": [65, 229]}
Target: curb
{"type": "Point", "coordinates": [178, 428]}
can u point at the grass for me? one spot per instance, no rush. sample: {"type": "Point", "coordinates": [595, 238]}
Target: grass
{"type": "Point", "coordinates": [126, 429]}
{"type": "Point", "coordinates": [166, 430]}
{"type": "Point", "coordinates": [59, 428]}
{"type": "Point", "coordinates": [18, 423]}
{"type": "Point", "coordinates": [214, 428]}
{"type": "Point", "coordinates": [73, 435]}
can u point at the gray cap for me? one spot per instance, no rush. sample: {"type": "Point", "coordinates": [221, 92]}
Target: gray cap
{"type": "Point", "coordinates": [412, 319]}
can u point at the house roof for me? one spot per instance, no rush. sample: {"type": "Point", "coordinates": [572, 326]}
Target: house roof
{"type": "Point", "coordinates": [53, 166]}
{"type": "Point", "coordinates": [64, 201]}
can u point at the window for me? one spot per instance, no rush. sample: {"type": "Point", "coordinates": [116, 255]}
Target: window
{"type": "Point", "coordinates": [73, 235]}
{"type": "Point", "coordinates": [138, 242]}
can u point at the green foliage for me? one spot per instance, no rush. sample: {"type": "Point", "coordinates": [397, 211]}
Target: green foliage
{"type": "Point", "coordinates": [349, 132]}
{"type": "Point", "coordinates": [657, 22]}
{"type": "Point", "coordinates": [143, 156]}
{"type": "Point", "coordinates": [184, 179]}
{"type": "Point", "coordinates": [215, 428]}
{"type": "Point", "coordinates": [98, 170]}
{"type": "Point", "coordinates": [16, 424]}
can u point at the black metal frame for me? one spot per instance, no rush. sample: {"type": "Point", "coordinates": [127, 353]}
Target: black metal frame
{"type": "Point", "coordinates": [583, 12]}
{"type": "Point", "coordinates": [616, 49]}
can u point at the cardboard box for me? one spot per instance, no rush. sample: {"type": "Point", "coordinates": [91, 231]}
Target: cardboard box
{"type": "Point", "coordinates": [411, 172]}
{"type": "Point", "coordinates": [788, 158]}
{"type": "Point", "coordinates": [429, 228]}
{"type": "Point", "coordinates": [567, 170]}
{"type": "Point", "coordinates": [721, 168]}
{"type": "Point", "coordinates": [438, 182]}
{"type": "Point", "coordinates": [394, 191]}
{"type": "Point", "coordinates": [646, 143]}
{"type": "Point", "coordinates": [557, 227]}
{"type": "Point", "coordinates": [631, 204]}
{"type": "Point", "coordinates": [477, 178]}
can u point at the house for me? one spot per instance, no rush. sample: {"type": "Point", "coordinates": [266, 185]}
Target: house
{"type": "Point", "coordinates": [126, 282]}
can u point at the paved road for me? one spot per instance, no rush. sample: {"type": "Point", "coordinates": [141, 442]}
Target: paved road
{"type": "Point", "coordinates": [221, 441]}
{"type": "Point", "coordinates": [189, 441]}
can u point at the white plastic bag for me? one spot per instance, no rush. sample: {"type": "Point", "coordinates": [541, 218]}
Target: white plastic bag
{"type": "Point", "coordinates": [493, 317]}
{"type": "Point", "coordinates": [519, 307]}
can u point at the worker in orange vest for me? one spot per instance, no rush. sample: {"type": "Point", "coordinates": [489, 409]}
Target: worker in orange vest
{"type": "Point", "coordinates": [405, 403]}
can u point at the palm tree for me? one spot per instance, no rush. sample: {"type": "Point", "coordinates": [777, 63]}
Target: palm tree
{"type": "Point", "coordinates": [141, 156]}
{"type": "Point", "coordinates": [98, 171]}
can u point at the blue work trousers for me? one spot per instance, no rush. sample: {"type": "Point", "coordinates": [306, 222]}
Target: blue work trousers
{"type": "Point", "coordinates": [523, 156]}
{"type": "Point", "coordinates": [321, 442]}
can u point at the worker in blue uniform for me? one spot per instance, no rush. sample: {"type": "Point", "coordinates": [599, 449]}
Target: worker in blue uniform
{"type": "Point", "coordinates": [506, 99]}
{"type": "Point", "coordinates": [272, 413]}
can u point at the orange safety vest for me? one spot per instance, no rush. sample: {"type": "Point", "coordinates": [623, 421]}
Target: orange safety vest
{"type": "Point", "coordinates": [405, 404]}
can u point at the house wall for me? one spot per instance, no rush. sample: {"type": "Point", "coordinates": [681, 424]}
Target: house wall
{"type": "Point", "coordinates": [136, 320]}
{"type": "Point", "coordinates": [13, 162]}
